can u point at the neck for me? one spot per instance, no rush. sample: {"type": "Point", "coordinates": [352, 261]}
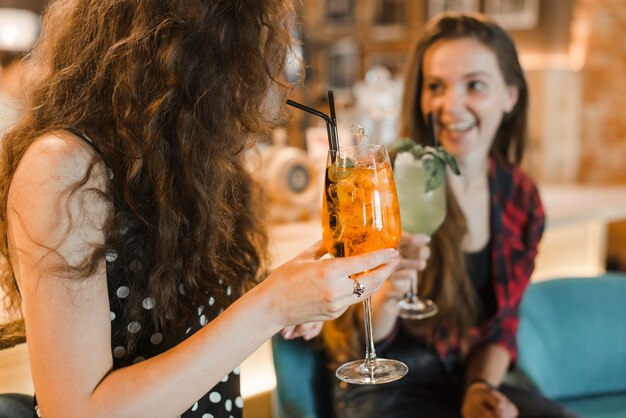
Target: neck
{"type": "Point", "coordinates": [474, 169]}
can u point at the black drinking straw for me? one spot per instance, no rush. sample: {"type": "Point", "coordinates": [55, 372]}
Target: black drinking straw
{"type": "Point", "coordinates": [431, 123]}
{"type": "Point", "coordinates": [330, 127]}
{"type": "Point", "coordinates": [333, 118]}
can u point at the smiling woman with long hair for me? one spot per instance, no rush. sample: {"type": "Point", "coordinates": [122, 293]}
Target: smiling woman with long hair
{"type": "Point", "coordinates": [465, 70]}
{"type": "Point", "coordinates": [131, 231]}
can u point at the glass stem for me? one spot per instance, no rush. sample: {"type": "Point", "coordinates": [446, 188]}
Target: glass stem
{"type": "Point", "coordinates": [370, 352]}
{"type": "Point", "coordinates": [414, 286]}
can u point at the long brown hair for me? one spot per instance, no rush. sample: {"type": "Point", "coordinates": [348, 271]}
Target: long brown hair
{"type": "Point", "coordinates": [169, 92]}
{"type": "Point", "coordinates": [446, 279]}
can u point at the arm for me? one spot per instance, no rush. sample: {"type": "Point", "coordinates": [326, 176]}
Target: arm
{"type": "Point", "coordinates": [485, 372]}
{"type": "Point", "coordinates": [67, 318]}
{"type": "Point", "coordinates": [489, 363]}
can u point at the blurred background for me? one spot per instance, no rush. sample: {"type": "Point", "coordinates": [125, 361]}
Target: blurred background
{"type": "Point", "coordinates": [574, 55]}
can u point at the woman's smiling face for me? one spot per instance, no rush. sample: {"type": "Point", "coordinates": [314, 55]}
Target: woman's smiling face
{"type": "Point", "coordinates": [465, 89]}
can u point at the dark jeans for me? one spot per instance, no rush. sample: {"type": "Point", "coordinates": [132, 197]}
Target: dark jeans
{"type": "Point", "coordinates": [431, 389]}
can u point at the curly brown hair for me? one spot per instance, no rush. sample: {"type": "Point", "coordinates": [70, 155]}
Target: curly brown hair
{"type": "Point", "coordinates": [169, 92]}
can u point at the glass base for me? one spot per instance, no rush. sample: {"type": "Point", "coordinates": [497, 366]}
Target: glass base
{"type": "Point", "coordinates": [417, 309]}
{"type": "Point", "coordinates": [372, 372]}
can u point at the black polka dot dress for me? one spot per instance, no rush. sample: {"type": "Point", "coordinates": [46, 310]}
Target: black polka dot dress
{"type": "Point", "coordinates": [222, 401]}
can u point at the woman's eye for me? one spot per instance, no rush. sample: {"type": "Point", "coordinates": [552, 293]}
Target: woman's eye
{"type": "Point", "coordinates": [434, 87]}
{"type": "Point", "coordinates": [476, 85]}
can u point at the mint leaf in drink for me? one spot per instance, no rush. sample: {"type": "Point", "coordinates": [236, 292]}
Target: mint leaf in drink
{"type": "Point", "coordinates": [436, 172]}
{"type": "Point", "coordinates": [449, 160]}
{"type": "Point", "coordinates": [404, 145]}
{"type": "Point", "coordinates": [419, 151]}
{"type": "Point", "coordinates": [434, 159]}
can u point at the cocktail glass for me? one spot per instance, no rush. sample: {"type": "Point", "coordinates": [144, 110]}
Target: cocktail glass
{"type": "Point", "coordinates": [422, 209]}
{"type": "Point", "coordinates": [360, 214]}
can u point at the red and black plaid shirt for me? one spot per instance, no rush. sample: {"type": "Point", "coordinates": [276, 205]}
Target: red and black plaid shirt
{"type": "Point", "coordinates": [517, 223]}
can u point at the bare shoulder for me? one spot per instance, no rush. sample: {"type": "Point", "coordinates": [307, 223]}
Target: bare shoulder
{"type": "Point", "coordinates": [55, 154]}
{"type": "Point", "coordinates": [41, 195]}
{"type": "Point", "coordinates": [52, 163]}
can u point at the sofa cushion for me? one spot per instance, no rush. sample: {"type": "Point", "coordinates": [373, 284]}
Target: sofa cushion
{"type": "Point", "coordinates": [572, 336]}
{"type": "Point", "coordinates": [607, 406]}
{"type": "Point", "coordinates": [303, 389]}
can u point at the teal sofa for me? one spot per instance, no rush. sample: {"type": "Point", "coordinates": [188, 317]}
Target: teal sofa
{"type": "Point", "coordinates": [302, 386]}
{"type": "Point", "coordinates": [572, 347]}
{"type": "Point", "coordinates": [572, 343]}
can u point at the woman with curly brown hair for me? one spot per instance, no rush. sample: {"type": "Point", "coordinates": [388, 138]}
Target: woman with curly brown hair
{"type": "Point", "coordinates": [131, 230]}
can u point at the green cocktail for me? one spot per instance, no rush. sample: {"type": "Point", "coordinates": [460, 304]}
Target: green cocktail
{"type": "Point", "coordinates": [420, 183]}
{"type": "Point", "coordinates": [422, 211]}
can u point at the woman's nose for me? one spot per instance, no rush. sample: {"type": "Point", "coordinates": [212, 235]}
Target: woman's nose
{"type": "Point", "coordinates": [452, 102]}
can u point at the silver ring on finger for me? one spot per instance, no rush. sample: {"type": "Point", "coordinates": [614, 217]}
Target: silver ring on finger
{"type": "Point", "coordinates": [359, 289]}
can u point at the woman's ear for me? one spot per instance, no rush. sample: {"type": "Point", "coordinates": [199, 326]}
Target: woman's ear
{"type": "Point", "coordinates": [512, 94]}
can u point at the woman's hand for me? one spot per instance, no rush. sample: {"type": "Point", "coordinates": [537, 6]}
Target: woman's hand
{"type": "Point", "coordinates": [307, 331]}
{"type": "Point", "coordinates": [414, 251]}
{"type": "Point", "coordinates": [483, 401]}
{"type": "Point", "coordinates": [308, 289]}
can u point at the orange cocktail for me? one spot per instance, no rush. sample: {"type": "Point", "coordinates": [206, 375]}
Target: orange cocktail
{"type": "Point", "coordinates": [360, 211]}
{"type": "Point", "coordinates": [360, 214]}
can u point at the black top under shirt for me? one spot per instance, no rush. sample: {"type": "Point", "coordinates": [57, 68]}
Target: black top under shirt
{"type": "Point", "coordinates": [479, 269]}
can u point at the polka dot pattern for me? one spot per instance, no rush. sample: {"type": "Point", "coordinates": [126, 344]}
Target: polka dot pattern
{"type": "Point", "coordinates": [119, 352]}
{"type": "Point", "coordinates": [111, 256]}
{"type": "Point", "coordinates": [122, 292]}
{"type": "Point", "coordinates": [221, 401]}
{"type": "Point", "coordinates": [134, 327]}
{"type": "Point", "coordinates": [148, 303]}
{"type": "Point", "coordinates": [156, 338]}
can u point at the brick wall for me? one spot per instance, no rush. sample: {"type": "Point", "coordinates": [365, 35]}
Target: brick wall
{"type": "Point", "coordinates": [603, 152]}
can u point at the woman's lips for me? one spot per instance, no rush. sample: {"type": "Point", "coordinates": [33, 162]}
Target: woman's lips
{"type": "Point", "coordinates": [455, 131]}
